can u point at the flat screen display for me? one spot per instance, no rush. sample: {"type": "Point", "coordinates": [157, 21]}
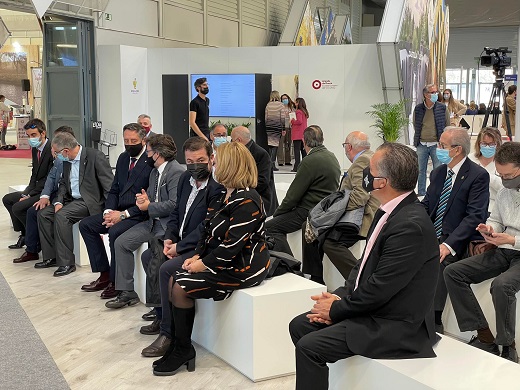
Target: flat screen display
{"type": "Point", "coordinates": [231, 95]}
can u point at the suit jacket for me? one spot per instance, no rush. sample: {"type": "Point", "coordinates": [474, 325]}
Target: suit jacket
{"type": "Point", "coordinates": [162, 207]}
{"type": "Point", "coordinates": [389, 314]}
{"type": "Point", "coordinates": [467, 205]}
{"type": "Point", "coordinates": [95, 176]}
{"type": "Point", "coordinates": [126, 185]}
{"type": "Point", "coordinates": [191, 231]}
{"type": "Point", "coordinates": [40, 170]}
{"type": "Point", "coordinates": [358, 196]}
{"type": "Point", "coordinates": [265, 184]}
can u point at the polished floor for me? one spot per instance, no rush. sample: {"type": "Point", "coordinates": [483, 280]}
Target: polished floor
{"type": "Point", "coordinates": [95, 347]}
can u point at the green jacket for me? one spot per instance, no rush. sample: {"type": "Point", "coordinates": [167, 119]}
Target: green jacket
{"type": "Point", "coordinates": [318, 176]}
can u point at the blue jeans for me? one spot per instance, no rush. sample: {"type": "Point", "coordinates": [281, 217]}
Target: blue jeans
{"type": "Point", "coordinates": [423, 152]}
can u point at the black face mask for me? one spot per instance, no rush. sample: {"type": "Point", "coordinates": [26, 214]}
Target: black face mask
{"type": "Point", "coordinates": [199, 171]}
{"type": "Point", "coordinates": [134, 150]}
{"type": "Point", "coordinates": [368, 180]}
{"type": "Point", "coordinates": [204, 91]}
{"type": "Point", "coordinates": [150, 161]}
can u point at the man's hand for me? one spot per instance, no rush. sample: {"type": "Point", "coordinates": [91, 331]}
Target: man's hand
{"type": "Point", "coordinates": [42, 203]}
{"type": "Point", "coordinates": [321, 309]}
{"type": "Point", "coordinates": [195, 267]}
{"type": "Point", "coordinates": [485, 230]}
{"type": "Point", "coordinates": [500, 239]}
{"type": "Point", "coordinates": [23, 197]}
{"type": "Point", "coordinates": [57, 208]}
{"type": "Point", "coordinates": [444, 252]}
{"type": "Point", "coordinates": [111, 218]}
{"type": "Point", "coordinates": [142, 201]}
{"type": "Point", "coordinates": [170, 249]}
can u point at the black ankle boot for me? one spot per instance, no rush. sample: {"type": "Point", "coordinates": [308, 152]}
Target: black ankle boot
{"type": "Point", "coordinates": [183, 353]}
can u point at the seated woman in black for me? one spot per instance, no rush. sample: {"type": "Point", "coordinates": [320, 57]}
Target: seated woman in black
{"type": "Point", "coordinates": [231, 254]}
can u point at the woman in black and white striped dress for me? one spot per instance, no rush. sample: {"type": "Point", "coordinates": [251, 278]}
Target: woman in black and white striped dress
{"type": "Point", "coordinates": [231, 254]}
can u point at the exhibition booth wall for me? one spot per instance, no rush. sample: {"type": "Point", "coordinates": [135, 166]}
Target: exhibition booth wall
{"type": "Point", "coordinates": [339, 83]}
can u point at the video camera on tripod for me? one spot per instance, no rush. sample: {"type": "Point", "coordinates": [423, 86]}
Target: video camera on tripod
{"type": "Point", "coordinates": [498, 59]}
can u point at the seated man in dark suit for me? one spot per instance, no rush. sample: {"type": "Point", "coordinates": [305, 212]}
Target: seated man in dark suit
{"type": "Point", "coordinates": [196, 190]}
{"type": "Point", "coordinates": [17, 203]}
{"type": "Point", "coordinates": [457, 201]}
{"type": "Point", "coordinates": [157, 202]}
{"type": "Point", "coordinates": [383, 312]}
{"type": "Point", "coordinates": [265, 188]}
{"type": "Point", "coordinates": [82, 192]}
{"type": "Point", "coordinates": [121, 212]}
{"type": "Point", "coordinates": [32, 236]}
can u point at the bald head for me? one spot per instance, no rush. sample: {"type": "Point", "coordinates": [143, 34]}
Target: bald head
{"type": "Point", "coordinates": [241, 134]}
{"type": "Point", "coordinates": [356, 142]}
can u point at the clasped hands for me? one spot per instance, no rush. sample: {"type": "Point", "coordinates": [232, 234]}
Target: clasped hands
{"type": "Point", "coordinates": [320, 312]}
{"type": "Point", "coordinates": [193, 265]}
{"type": "Point", "coordinates": [495, 238]}
{"type": "Point", "coordinates": [111, 218]}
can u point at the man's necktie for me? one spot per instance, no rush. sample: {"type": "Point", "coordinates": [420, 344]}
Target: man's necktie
{"type": "Point", "coordinates": [155, 185]}
{"type": "Point", "coordinates": [39, 154]}
{"type": "Point", "coordinates": [132, 163]}
{"type": "Point", "coordinates": [441, 209]}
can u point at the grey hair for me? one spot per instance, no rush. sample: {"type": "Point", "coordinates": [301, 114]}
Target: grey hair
{"type": "Point", "coordinates": [212, 130]}
{"type": "Point", "coordinates": [460, 137]}
{"type": "Point", "coordinates": [313, 136]}
{"type": "Point", "coordinates": [427, 87]}
{"type": "Point", "coordinates": [64, 141]}
{"type": "Point", "coordinates": [399, 165]}
{"type": "Point", "coordinates": [358, 143]}
{"type": "Point", "coordinates": [141, 132]}
{"type": "Point", "coordinates": [144, 116]}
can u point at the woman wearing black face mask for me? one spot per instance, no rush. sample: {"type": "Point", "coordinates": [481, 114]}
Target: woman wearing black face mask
{"type": "Point", "coordinates": [231, 253]}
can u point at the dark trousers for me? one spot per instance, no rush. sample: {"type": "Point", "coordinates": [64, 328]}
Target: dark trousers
{"type": "Point", "coordinates": [316, 345]}
{"type": "Point", "coordinates": [504, 266]}
{"type": "Point", "coordinates": [18, 209]}
{"type": "Point", "coordinates": [441, 292]}
{"type": "Point", "coordinates": [337, 251]}
{"type": "Point", "coordinates": [284, 150]}
{"type": "Point", "coordinates": [55, 231]}
{"type": "Point", "coordinates": [282, 224]}
{"type": "Point", "coordinates": [298, 149]}
{"type": "Point", "coordinates": [273, 150]}
{"type": "Point", "coordinates": [32, 236]}
{"type": "Point", "coordinates": [91, 228]}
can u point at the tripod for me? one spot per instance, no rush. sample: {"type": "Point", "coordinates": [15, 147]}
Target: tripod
{"type": "Point", "coordinates": [498, 94]}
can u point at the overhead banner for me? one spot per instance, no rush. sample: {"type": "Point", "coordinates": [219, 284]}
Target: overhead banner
{"type": "Point", "coordinates": [41, 6]}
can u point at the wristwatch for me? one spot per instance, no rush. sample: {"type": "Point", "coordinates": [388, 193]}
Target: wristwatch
{"type": "Point", "coordinates": [122, 216]}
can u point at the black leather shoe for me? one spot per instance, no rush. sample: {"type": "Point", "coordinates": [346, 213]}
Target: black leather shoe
{"type": "Point", "coordinates": [19, 244]}
{"type": "Point", "coordinates": [125, 298]}
{"type": "Point", "coordinates": [509, 353]}
{"type": "Point", "coordinates": [151, 329]}
{"type": "Point", "coordinates": [488, 347]}
{"type": "Point", "coordinates": [150, 316]}
{"type": "Point", "coordinates": [64, 270]}
{"type": "Point", "coordinates": [46, 264]}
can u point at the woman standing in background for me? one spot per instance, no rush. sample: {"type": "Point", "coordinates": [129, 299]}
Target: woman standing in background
{"type": "Point", "coordinates": [4, 116]}
{"type": "Point", "coordinates": [298, 126]}
{"type": "Point", "coordinates": [274, 124]}
{"type": "Point", "coordinates": [284, 150]}
{"type": "Point", "coordinates": [455, 108]}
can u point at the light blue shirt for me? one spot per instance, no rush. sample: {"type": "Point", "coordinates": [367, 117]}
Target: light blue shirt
{"type": "Point", "coordinates": [357, 155]}
{"type": "Point", "coordinates": [74, 175]}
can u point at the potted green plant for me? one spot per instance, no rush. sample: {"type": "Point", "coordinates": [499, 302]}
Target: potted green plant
{"type": "Point", "coordinates": [390, 119]}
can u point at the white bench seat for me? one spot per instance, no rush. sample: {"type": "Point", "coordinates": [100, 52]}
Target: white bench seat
{"type": "Point", "coordinates": [457, 366]}
{"type": "Point", "coordinates": [250, 330]}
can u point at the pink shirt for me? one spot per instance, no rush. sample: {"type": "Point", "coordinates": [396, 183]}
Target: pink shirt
{"type": "Point", "coordinates": [298, 126]}
{"type": "Point", "coordinates": [388, 207]}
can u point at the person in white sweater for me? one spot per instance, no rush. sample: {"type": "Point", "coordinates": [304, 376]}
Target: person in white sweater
{"type": "Point", "coordinates": [488, 141]}
{"type": "Point", "coordinates": [502, 229]}
{"type": "Point", "coordinates": [4, 116]}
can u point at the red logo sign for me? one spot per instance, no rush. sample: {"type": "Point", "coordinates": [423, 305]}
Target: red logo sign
{"type": "Point", "coordinates": [316, 84]}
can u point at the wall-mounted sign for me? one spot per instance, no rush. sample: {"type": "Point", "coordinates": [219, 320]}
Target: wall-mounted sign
{"type": "Point", "coordinates": [323, 84]}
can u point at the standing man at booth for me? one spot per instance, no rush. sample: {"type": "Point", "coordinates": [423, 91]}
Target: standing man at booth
{"type": "Point", "coordinates": [199, 110]}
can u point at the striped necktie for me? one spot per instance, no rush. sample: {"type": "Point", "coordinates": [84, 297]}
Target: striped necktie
{"type": "Point", "coordinates": [441, 209]}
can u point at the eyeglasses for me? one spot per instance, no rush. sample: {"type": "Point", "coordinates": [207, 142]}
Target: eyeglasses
{"type": "Point", "coordinates": [440, 145]}
{"type": "Point", "coordinates": [345, 143]}
{"type": "Point", "coordinates": [492, 144]}
{"type": "Point", "coordinates": [507, 176]}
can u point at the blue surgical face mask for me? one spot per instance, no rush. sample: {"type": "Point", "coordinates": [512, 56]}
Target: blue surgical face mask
{"type": "Point", "coordinates": [219, 141]}
{"type": "Point", "coordinates": [35, 142]}
{"type": "Point", "coordinates": [434, 97]}
{"type": "Point", "coordinates": [488, 151]}
{"type": "Point", "coordinates": [443, 155]}
{"type": "Point", "coordinates": [285, 101]}
{"type": "Point", "coordinates": [61, 157]}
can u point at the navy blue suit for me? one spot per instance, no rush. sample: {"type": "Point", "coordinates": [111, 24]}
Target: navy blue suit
{"type": "Point", "coordinates": [467, 207]}
{"type": "Point", "coordinates": [121, 197]}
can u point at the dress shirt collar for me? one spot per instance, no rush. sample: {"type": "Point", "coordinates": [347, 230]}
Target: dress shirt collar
{"type": "Point", "coordinates": [456, 168]}
{"type": "Point", "coordinates": [203, 184]}
{"type": "Point", "coordinates": [161, 167]}
{"type": "Point", "coordinates": [357, 155]}
{"type": "Point", "coordinates": [390, 206]}
{"type": "Point", "coordinates": [42, 146]}
{"type": "Point", "coordinates": [78, 156]}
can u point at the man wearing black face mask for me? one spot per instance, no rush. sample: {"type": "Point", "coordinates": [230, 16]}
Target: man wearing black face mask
{"type": "Point", "coordinates": [195, 191]}
{"type": "Point", "coordinates": [121, 211]}
{"type": "Point", "coordinates": [502, 229]}
{"type": "Point", "coordinates": [199, 110]}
